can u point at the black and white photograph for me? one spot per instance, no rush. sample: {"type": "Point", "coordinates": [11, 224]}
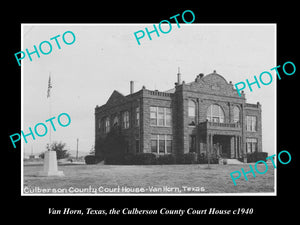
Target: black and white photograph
{"type": "Point", "coordinates": [132, 112]}
{"type": "Point", "coordinates": [186, 113]}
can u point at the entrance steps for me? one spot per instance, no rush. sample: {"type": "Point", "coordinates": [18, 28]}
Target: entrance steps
{"type": "Point", "coordinates": [233, 161]}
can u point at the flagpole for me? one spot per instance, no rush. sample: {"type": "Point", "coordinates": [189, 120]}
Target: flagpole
{"type": "Point", "coordinates": [50, 128]}
{"type": "Point", "coordinates": [50, 113]}
{"type": "Point", "coordinates": [50, 157]}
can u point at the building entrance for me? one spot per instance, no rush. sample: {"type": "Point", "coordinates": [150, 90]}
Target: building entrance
{"type": "Point", "coordinates": [221, 145]}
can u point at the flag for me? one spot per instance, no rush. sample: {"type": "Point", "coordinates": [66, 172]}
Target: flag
{"type": "Point", "coordinates": [49, 87]}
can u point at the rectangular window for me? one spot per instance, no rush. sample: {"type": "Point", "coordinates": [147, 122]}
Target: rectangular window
{"type": "Point", "coordinates": [160, 116]}
{"type": "Point", "coordinates": [254, 145]}
{"type": "Point", "coordinates": [251, 145]}
{"type": "Point", "coordinates": [153, 115]}
{"type": "Point", "coordinates": [154, 144]}
{"type": "Point", "coordinates": [251, 123]}
{"type": "Point", "coordinates": [248, 123]}
{"type": "Point", "coordinates": [125, 120]}
{"type": "Point", "coordinates": [248, 146]}
{"type": "Point", "coordinates": [107, 125]}
{"type": "Point", "coordinates": [169, 143]}
{"type": "Point", "coordinates": [168, 117]}
{"type": "Point", "coordinates": [254, 123]}
{"type": "Point", "coordinates": [137, 116]}
{"type": "Point", "coordinates": [161, 144]}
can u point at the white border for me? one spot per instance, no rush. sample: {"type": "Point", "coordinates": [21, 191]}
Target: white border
{"type": "Point", "coordinates": [22, 118]}
{"type": "Point", "coordinates": [122, 194]}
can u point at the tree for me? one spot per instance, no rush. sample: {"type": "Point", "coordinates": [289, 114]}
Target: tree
{"type": "Point", "coordinates": [61, 153]}
{"type": "Point", "coordinates": [92, 150]}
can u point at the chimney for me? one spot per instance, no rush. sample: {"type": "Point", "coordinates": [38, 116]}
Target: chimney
{"type": "Point", "coordinates": [178, 77]}
{"type": "Point", "coordinates": [131, 87]}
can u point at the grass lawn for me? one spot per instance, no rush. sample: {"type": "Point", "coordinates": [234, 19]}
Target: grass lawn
{"type": "Point", "coordinates": [153, 179]}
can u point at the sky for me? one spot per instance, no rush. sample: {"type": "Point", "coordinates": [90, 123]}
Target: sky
{"type": "Point", "coordinates": [106, 57]}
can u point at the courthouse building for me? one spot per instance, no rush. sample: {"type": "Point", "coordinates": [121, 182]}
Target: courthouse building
{"type": "Point", "coordinates": [200, 116]}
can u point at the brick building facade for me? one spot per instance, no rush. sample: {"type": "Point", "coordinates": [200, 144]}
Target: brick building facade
{"type": "Point", "coordinates": [202, 116]}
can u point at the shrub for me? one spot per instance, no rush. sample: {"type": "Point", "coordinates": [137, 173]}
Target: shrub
{"type": "Point", "coordinates": [202, 158]}
{"type": "Point", "coordinates": [213, 159]}
{"type": "Point", "coordinates": [113, 159]}
{"type": "Point", "coordinates": [145, 159]}
{"type": "Point", "coordinates": [261, 156]}
{"type": "Point", "coordinates": [166, 159]}
{"type": "Point", "coordinates": [129, 159]}
{"type": "Point", "coordinates": [256, 156]}
{"type": "Point", "coordinates": [59, 148]}
{"type": "Point", "coordinates": [186, 158]}
{"type": "Point", "coordinates": [190, 158]}
{"type": "Point", "coordinates": [91, 159]}
{"type": "Point", "coordinates": [179, 159]}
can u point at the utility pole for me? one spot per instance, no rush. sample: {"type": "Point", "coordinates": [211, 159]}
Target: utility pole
{"type": "Point", "coordinates": [77, 150]}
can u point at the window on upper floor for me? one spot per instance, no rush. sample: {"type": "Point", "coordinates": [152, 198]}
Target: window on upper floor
{"type": "Point", "coordinates": [137, 116]}
{"type": "Point", "coordinates": [107, 125]}
{"type": "Point", "coordinates": [192, 112]}
{"type": "Point", "coordinates": [168, 117]}
{"type": "Point", "coordinates": [236, 114]}
{"type": "Point", "coordinates": [215, 114]}
{"type": "Point", "coordinates": [251, 123]}
{"type": "Point", "coordinates": [116, 121]}
{"type": "Point", "coordinates": [160, 116]}
{"type": "Point", "coordinates": [125, 120]}
{"type": "Point", "coordinates": [99, 124]}
{"type": "Point", "coordinates": [153, 115]}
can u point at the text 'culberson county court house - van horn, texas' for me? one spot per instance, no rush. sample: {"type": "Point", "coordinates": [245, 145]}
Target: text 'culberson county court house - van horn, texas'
{"type": "Point", "coordinates": [201, 116]}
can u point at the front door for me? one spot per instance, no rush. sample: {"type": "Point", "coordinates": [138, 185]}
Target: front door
{"type": "Point", "coordinates": [222, 145]}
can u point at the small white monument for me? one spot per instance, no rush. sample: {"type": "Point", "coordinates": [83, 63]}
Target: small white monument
{"type": "Point", "coordinates": [50, 165]}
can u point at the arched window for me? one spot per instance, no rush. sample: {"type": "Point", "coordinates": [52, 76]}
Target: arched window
{"type": "Point", "coordinates": [192, 112]}
{"type": "Point", "coordinates": [236, 114]}
{"type": "Point", "coordinates": [215, 114]}
{"type": "Point", "coordinates": [116, 121]}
